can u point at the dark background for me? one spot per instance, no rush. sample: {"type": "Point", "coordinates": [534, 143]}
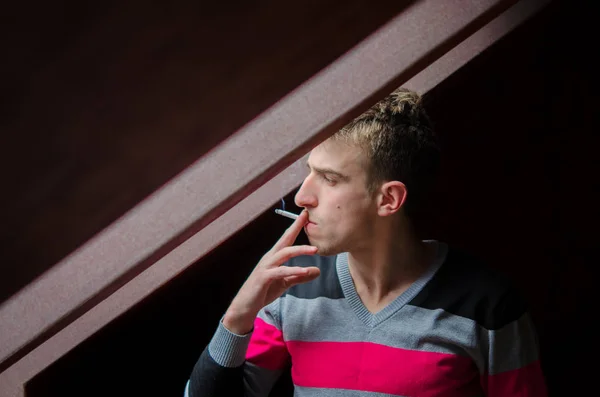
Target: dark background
{"type": "Point", "coordinates": [519, 188]}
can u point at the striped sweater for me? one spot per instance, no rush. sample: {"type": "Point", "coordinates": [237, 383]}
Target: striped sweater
{"type": "Point", "coordinates": [458, 331]}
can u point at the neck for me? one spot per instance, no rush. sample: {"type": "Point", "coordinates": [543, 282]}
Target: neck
{"type": "Point", "coordinates": [393, 258]}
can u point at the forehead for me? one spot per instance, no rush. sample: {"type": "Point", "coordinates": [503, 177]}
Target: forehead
{"type": "Point", "coordinates": [339, 156]}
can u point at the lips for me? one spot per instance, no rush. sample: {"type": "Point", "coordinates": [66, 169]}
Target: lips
{"type": "Point", "coordinates": [310, 227]}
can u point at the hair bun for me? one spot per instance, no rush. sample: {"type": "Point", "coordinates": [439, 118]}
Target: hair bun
{"type": "Point", "coordinates": [404, 101]}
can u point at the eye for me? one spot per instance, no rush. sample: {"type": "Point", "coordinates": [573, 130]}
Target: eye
{"type": "Point", "coordinates": [329, 180]}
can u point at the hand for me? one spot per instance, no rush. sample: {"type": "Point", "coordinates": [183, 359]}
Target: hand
{"type": "Point", "coordinates": [269, 280]}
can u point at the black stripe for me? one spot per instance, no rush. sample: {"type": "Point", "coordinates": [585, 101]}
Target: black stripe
{"type": "Point", "coordinates": [326, 285]}
{"type": "Point", "coordinates": [209, 379]}
{"type": "Point", "coordinates": [466, 287]}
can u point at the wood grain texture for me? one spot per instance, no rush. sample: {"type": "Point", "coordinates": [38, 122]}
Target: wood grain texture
{"type": "Point", "coordinates": [103, 103]}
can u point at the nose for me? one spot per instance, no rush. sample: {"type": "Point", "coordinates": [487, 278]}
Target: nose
{"type": "Point", "coordinates": [306, 196]}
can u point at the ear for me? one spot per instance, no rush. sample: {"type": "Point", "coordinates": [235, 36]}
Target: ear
{"type": "Point", "coordinates": [392, 196]}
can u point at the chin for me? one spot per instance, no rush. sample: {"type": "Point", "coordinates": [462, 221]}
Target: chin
{"type": "Point", "coordinates": [326, 250]}
{"type": "Point", "coordinates": [326, 247]}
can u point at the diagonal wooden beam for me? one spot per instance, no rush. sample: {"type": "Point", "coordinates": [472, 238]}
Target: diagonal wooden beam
{"type": "Point", "coordinates": [103, 103]}
{"type": "Point", "coordinates": [302, 119]}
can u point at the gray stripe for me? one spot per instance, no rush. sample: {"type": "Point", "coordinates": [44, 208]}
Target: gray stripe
{"type": "Point", "coordinates": [228, 349]}
{"type": "Point", "coordinates": [412, 327]}
{"type": "Point", "coordinates": [259, 381]}
{"type": "Point", "coordinates": [270, 314]}
{"type": "Point", "coordinates": [335, 320]}
{"type": "Point", "coordinates": [415, 328]}
{"type": "Point", "coordinates": [320, 392]}
{"type": "Point", "coordinates": [362, 312]}
{"type": "Point", "coordinates": [513, 346]}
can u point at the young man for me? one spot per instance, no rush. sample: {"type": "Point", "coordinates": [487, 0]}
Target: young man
{"type": "Point", "coordinates": [369, 309]}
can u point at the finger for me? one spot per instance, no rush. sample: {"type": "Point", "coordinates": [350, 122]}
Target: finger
{"type": "Point", "coordinates": [291, 233]}
{"type": "Point", "coordinates": [283, 255]}
{"type": "Point", "coordinates": [313, 273]}
{"type": "Point", "coordinates": [286, 272]}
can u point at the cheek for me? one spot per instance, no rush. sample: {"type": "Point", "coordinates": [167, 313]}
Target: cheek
{"type": "Point", "coordinates": [347, 215]}
{"type": "Point", "coordinates": [345, 207]}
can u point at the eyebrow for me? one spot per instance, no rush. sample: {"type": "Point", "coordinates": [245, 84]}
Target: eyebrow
{"type": "Point", "coordinates": [328, 171]}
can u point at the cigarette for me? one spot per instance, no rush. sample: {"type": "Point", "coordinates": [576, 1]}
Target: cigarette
{"type": "Point", "coordinates": [286, 214]}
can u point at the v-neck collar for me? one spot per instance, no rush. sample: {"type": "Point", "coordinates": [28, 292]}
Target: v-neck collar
{"type": "Point", "coordinates": [374, 319]}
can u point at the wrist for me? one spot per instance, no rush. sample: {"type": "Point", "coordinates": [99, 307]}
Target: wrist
{"type": "Point", "coordinates": [239, 323]}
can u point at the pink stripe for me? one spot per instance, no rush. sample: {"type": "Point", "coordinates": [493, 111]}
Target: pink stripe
{"type": "Point", "coordinates": [267, 348]}
{"type": "Point", "coordinates": [383, 369]}
{"type": "Point", "coordinates": [523, 382]}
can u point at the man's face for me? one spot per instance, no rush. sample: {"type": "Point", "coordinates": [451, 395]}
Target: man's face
{"type": "Point", "coordinates": [341, 211]}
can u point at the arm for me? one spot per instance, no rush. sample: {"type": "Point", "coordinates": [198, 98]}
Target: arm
{"type": "Point", "coordinates": [247, 353]}
{"type": "Point", "coordinates": [242, 365]}
{"type": "Point", "coordinates": [512, 355]}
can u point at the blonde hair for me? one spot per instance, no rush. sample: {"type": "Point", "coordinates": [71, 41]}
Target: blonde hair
{"type": "Point", "coordinates": [399, 142]}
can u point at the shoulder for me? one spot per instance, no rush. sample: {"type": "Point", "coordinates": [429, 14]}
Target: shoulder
{"type": "Point", "coordinates": [466, 286]}
{"type": "Point", "coordinates": [326, 285]}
